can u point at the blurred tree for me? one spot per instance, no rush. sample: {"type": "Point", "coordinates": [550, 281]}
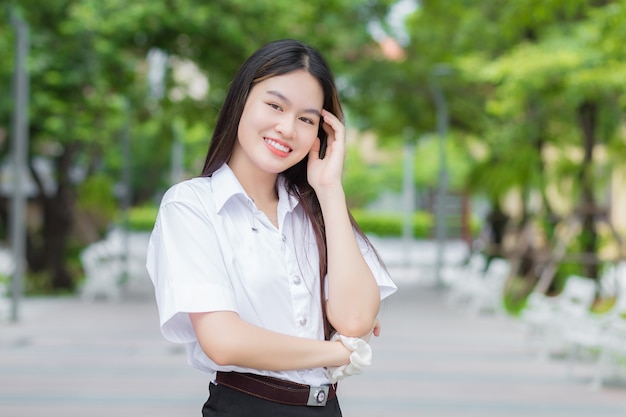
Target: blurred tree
{"type": "Point", "coordinates": [74, 113]}
{"type": "Point", "coordinates": [363, 182]}
{"type": "Point", "coordinates": [558, 91]}
{"type": "Point", "coordinates": [526, 77]}
{"type": "Point", "coordinates": [89, 88]}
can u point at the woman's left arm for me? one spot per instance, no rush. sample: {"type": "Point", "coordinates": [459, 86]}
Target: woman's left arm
{"type": "Point", "coordinates": [353, 293]}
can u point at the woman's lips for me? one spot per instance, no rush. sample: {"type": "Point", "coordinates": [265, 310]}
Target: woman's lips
{"type": "Point", "coordinates": [277, 147]}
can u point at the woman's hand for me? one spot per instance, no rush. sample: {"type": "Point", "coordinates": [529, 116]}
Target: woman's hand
{"type": "Point", "coordinates": [326, 173]}
{"type": "Point", "coordinates": [375, 331]}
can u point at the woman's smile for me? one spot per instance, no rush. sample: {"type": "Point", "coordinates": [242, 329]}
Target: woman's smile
{"type": "Point", "coordinates": [277, 147]}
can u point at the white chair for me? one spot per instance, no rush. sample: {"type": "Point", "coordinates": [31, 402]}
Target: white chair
{"type": "Point", "coordinates": [477, 284]}
{"type": "Point", "coordinates": [461, 277]}
{"type": "Point", "coordinates": [487, 295]}
{"type": "Point", "coordinates": [116, 263]}
{"type": "Point", "coordinates": [612, 356]}
{"type": "Point", "coordinates": [549, 318]}
{"type": "Point", "coordinates": [602, 337]}
{"type": "Point", "coordinates": [103, 265]}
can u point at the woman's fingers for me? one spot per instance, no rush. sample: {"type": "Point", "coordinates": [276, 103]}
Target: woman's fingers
{"type": "Point", "coordinates": [326, 172]}
{"type": "Point", "coordinates": [332, 125]}
{"type": "Point", "coordinates": [314, 152]}
{"type": "Point", "coordinates": [376, 330]}
{"type": "Point", "coordinates": [334, 129]}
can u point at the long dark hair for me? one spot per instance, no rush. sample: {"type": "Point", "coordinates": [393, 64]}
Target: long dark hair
{"type": "Point", "coordinates": [278, 58]}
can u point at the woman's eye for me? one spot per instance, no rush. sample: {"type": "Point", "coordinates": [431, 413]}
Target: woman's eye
{"type": "Point", "coordinates": [307, 120]}
{"type": "Point", "coordinates": [274, 106]}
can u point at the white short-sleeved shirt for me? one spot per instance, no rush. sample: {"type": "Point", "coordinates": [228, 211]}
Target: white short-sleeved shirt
{"type": "Point", "coordinates": [212, 250]}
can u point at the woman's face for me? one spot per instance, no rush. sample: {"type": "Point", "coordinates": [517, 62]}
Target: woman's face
{"type": "Point", "coordinates": [279, 123]}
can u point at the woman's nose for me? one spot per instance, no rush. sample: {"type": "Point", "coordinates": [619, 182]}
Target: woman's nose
{"type": "Point", "coordinates": [286, 127]}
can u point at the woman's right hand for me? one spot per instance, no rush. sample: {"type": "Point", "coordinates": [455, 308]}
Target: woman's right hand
{"type": "Point", "coordinates": [327, 173]}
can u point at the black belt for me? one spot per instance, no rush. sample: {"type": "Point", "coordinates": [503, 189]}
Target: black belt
{"type": "Point", "coordinates": [277, 390]}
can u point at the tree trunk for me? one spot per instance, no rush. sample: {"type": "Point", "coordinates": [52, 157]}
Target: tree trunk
{"type": "Point", "coordinates": [587, 115]}
{"type": "Point", "coordinates": [50, 252]}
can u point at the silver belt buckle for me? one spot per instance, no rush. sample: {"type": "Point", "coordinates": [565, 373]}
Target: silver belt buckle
{"type": "Point", "coordinates": [318, 396]}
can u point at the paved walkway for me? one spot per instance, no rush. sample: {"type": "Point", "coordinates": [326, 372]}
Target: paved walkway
{"type": "Point", "coordinates": [70, 358]}
{"type": "Point", "coordinates": [438, 361]}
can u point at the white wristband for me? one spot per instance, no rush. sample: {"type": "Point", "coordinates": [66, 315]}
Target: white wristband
{"type": "Point", "coordinates": [360, 358]}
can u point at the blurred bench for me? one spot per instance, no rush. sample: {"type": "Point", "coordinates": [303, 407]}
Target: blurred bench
{"type": "Point", "coordinates": [478, 284]}
{"type": "Point", "coordinates": [115, 265]}
{"type": "Point", "coordinates": [549, 318]}
{"type": "Point", "coordinates": [601, 337]}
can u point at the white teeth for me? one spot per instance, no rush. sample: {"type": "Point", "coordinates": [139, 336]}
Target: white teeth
{"type": "Point", "coordinates": [278, 146]}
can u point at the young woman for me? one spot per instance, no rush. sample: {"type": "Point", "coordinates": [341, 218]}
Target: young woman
{"type": "Point", "coordinates": [258, 266]}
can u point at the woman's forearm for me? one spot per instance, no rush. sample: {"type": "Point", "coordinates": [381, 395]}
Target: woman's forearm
{"type": "Point", "coordinates": [228, 340]}
{"type": "Point", "coordinates": [353, 294]}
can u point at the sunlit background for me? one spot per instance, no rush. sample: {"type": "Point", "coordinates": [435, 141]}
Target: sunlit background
{"type": "Point", "coordinates": [486, 161]}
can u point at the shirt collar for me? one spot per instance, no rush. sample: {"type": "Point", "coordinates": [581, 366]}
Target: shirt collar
{"type": "Point", "coordinates": [286, 201]}
{"type": "Point", "coordinates": [225, 185]}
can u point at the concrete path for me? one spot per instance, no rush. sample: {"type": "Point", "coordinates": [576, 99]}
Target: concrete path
{"type": "Point", "coordinates": [70, 358]}
{"type": "Point", "coordinates": [437, 361]}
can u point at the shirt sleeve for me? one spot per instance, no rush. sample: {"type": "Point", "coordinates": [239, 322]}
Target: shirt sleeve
{"type": "Point", "coordinates": [385, 284]}
{"type": "Point", "coordinates": [186, 266]}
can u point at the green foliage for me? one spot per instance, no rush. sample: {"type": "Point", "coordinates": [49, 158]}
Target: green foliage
{"type": "Point", "coordinates": [390, 224]}
{"type": "Point", "coordinates": [513, 300]}
{"type": "Point", "coordinates": [380, 224]}
{"type": "Point", "coordinates": [89, 83]}
{"type": "Point", "coordinates": [89, 71]}
{"type": "Point", "coordinates": [364, 182]}
{"type": "Point", "coordinates": [142, 218]}
{"type": "Point", "coordinates": [604, 305]}
{"type": "Point", "coordinates": [520, 72]}
{"type": "Point", "coordinates": [539, 85]}
{"type": "Point", "coordinates": [95, 198]}
{"type": "Point", "coordinates": [427, 162]}
{"type": "Point", "coordinates": [5, 282]}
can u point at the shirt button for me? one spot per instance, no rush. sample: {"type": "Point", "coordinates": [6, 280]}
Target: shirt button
{"type": "Point", "coordinates": [302, 321]}
{"type": "Point", "coordinates": [284, 238]}
{"type": "Point", "coordinates": [297, 280]}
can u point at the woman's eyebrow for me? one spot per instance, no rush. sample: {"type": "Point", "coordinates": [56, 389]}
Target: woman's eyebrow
{"type": "Point", "coordinates": [285, 99]}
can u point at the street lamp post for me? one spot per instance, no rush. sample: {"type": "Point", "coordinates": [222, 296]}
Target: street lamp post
{"type": "Point", "coordinates": [19, 137]}
{"type": "Point", "coordinates": [442, 132]}
{"type": "Point", "coordinates": [408, 195]}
